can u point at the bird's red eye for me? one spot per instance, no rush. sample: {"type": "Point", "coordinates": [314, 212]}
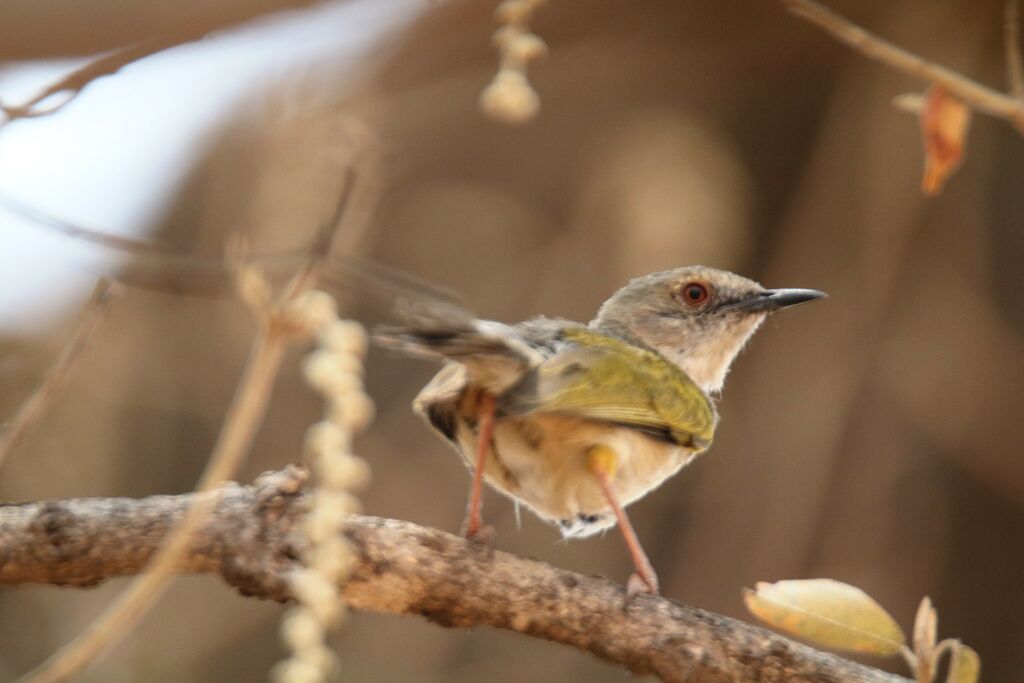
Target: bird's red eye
{"type": "Point", "coordinates": [694, 293]}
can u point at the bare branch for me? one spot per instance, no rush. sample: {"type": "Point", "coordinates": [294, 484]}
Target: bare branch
{"type": "Point", "coordinates": [167, 269]}
{"type": "Point", "coordinates": [976, 95]}
{"type": "Point", "coordinates": [173, 270]}
{"type": "Point", "coordinates": [74, 82]}
{"type": "Point", "coordinates": [1014, 61]}
{"type": "Point", "coordinates": [251, 539]}
{"type": "Point", "coordinates": [35, 407]}
{"type": "Point", "coordinates": [35, 31]}
{"type": "Point", "coordinates": [190, 264]}
{"type": "Point", "coordinates": [170, 270]}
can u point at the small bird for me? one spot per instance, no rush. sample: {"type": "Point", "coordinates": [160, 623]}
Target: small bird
{"type": "Point", "coordinates": [576, 421]}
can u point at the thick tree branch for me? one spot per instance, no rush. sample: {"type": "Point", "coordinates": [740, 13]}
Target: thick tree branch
{"type": "Point", "coordinates": [250, 539]}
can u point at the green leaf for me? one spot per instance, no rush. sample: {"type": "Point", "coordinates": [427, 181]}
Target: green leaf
{"type": "Point", "coordinates": [829, 613]}
{"type": "Point", "coordinates": [965, 667]}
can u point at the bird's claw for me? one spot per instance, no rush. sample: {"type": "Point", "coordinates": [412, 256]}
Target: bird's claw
{"type": "Point", "coordinates": [640, 585]}
{"type": "Point", "coordinates": [483, 534]}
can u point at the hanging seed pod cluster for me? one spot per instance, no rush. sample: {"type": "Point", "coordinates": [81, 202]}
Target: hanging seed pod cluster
{"type": "Point", "coordinates": [509, 98]}
{"type": "Point", "coordinates": [335, 370]}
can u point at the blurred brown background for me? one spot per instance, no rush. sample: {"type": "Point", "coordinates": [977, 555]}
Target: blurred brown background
{"type": "Point", "coordinates": [874, 438]}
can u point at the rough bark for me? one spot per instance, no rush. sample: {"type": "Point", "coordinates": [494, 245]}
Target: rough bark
{"type": "Point", "coordinates": [250, 540]}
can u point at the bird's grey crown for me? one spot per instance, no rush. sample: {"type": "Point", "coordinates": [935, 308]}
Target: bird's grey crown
{"type": "Point", "coordinates": [702, 340]}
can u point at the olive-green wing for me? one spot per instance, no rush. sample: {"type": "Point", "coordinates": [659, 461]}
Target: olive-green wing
{"type": "Point", "coordinates": [602, 378]}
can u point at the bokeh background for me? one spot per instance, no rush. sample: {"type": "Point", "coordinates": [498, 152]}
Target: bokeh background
{"type": "Point", "coordinates": [874, 438]}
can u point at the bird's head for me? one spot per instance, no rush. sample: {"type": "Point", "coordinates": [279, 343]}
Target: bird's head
{"type": "Point", "coordinates": [695, 316]}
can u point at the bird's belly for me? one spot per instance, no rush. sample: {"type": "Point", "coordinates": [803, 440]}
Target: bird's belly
{"type": "Point", "coordinates": [540, 460]}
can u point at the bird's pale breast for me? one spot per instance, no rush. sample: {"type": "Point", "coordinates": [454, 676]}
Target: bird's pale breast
{"type": "Point", "coordinates": [540, 460]}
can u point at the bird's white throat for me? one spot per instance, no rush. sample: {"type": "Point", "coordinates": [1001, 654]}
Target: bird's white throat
{"type": "Point", "coordinates": [706, 358]}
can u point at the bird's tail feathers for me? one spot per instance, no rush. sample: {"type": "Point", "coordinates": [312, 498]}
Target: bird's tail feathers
{"type": "Point", "coordinates": [494, 353]}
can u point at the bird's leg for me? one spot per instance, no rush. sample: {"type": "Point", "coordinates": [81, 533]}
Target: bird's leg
{"type": "Point", "coordinates": [602, 462]}
{"type": "Point", "coordinates": [473, 527]}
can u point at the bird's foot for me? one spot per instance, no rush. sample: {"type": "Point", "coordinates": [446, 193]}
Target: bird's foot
{"type": "Point", "coordinates": [641, 585]}
{"type": "Point", "coordinates": [479, 533]}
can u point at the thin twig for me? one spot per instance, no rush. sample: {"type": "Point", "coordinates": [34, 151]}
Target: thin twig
{"type": "Point", "coordinates": [74, 82]}
{"type": "Point", "coordinates": [978, 96]}
{"type": "Point", "coordinates": [180, 271]}
{"type": "Point", "coordinates": [324, 239]}
{"type": "Point", "coordinates": [127, 245]}
{"type": "Point", "coordinates": [197, 275]}
{"type": "Point", "coordinates": [243, 419]}
{"type": "Point", "coordinates": [332, 251]}
{"type": "Point", "coordinates": [254, 533]}
{"type": "Point", "coordinates": [35, 407]}
{"type": "Point", "coordinates": [189, 273]}
{"type": "Point", "coordinates": [362, 194]}
{"type": "Point", "coordinates": [1014, 61]}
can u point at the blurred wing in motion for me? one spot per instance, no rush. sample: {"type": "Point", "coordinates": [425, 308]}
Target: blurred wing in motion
{"type": "Point", "coordinates": [495, 355]}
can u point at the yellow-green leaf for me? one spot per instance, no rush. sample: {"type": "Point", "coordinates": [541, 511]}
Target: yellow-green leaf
{"type": "Point", "coordinates": [827, 612]}
{"type": "Point", "coordinates": [965, 666]}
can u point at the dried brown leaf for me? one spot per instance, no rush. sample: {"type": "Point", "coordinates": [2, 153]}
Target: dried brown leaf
{"type": "Point", "coordinates": [944, 123]}
{"type": "Point", "coordinates": [926, 625]}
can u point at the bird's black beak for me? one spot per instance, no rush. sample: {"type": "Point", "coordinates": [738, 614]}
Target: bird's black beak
{"type": "Point", "coordinates": [774, 299]}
